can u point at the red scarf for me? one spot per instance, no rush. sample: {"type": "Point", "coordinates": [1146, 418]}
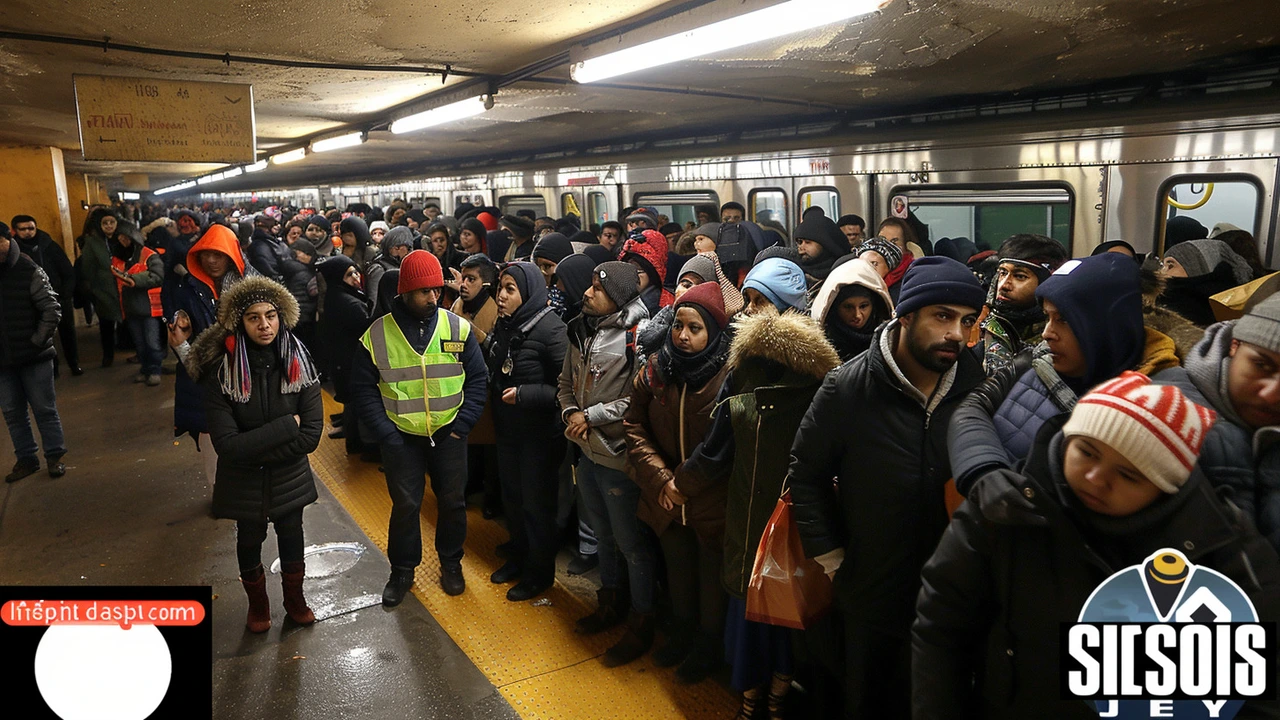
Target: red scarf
{"type": "Point", "coordinates": [895, 275]}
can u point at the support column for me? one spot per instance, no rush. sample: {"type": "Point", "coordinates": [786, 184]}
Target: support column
{"type": "Point", "coordinates": [33, 181]}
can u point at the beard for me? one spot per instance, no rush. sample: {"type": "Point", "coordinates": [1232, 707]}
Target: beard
{"type": "Point", "coordinates": [927, 355]}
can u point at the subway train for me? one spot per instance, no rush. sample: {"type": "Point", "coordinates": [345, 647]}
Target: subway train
{"type": "Point", "coordinates": [1110, 176]}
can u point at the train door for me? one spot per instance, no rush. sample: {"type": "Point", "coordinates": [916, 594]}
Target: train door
{"type": "Point", "coordinates": [1141, 199]}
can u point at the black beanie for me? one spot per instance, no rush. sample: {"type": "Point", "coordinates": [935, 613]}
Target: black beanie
{"type": "Point", "coordinates": [554, 247]}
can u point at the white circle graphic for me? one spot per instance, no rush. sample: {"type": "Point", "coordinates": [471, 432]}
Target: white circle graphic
{"type": "Point", "coordinates": [103, 672]}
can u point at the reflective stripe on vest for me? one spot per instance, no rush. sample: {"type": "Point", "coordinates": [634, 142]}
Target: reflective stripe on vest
{"type": "Point", "coordinates": [421, 393]}
{"type": "Point", "coordinates": [153, 294]}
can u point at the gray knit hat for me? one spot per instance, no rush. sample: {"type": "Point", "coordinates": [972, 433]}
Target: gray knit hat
{"type": "Point", "coordinates": [1261, 325]}
{"type": "Point", "coordinates": [702, 266]}
{"type": "Point", "coordinates": [620, 280]}
{"type": "Point", "coordinates": [1201, 257]}
{"type": "Point", "coordinates": [890, 252]}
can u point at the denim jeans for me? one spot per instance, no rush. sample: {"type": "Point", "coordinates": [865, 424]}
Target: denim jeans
{"type": "Point", "coordinates": [610, 500]}
{"type": "Point", "coordinates": [407, 465]}
{"type": "Point", "coordinates": [31, 385]}
{"type": "Point", "coordinates": [146, 340]}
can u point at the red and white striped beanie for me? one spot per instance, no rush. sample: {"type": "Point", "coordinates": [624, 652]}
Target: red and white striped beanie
{"type": "Point", "coordinates": [1155, 427]}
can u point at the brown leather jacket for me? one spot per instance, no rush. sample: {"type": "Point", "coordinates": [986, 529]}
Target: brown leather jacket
{"type": "Point", "coordinates": [662, 430]}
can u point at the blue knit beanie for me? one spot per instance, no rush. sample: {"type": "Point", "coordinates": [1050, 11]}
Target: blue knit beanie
{"type": "Point", "coordinates": [782, 281]}
{"type": "Point", "coordinates": [936, 280]}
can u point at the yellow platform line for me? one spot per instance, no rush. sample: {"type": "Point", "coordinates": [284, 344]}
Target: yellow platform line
{"type": "Point", "coordinates": [531, 654]}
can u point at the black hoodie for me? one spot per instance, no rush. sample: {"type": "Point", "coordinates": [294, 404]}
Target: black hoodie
{"type": "Point", "coordinates": [345, 318]}
{"type": "Point", "coordinates": [535, 340]}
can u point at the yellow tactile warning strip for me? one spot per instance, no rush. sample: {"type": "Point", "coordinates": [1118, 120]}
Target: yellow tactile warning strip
{"type": "Point", "coordinates": [531, 654]}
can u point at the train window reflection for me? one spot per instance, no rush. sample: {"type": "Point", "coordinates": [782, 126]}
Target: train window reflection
{"type": "Point", "coordinates": [768, 207]}
{"type": "Point", "coordinates": [1213, 201]}
{"type": "Point", "coordinates": [826, 198]}
{"type": "Point", "coordinates": [598, 207]}
{"type": "Point", "coordinates": [511, 204]}
{"type": "Point", "coordinates": [678, 207]}
{"type": "Point", "coordinates": [988, 216]}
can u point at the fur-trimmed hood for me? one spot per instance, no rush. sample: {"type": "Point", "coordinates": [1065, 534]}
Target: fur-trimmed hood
{"type": "Point", "coordinates": [1184, 333]}
{"type": "Point", "coordinates": [790, 339]}
{"type": "Point", "coordinates": [209, 346]}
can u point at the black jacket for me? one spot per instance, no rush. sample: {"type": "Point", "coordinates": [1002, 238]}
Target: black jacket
{"type": "Point", "coordinates": [267, 253]}
{"type": "Point", "coordinates": [300, 279]}
{"type": "Point", "coordinates": [1189, 296]}
{"type": "Point", "coordinates": [50, 256]}
{"type": "Point", "coordinates": [263, 471]}
{"type": "Point", "coordinates": [367, 399]}
{"type": "Point", "coordinates": [1020, 558]}
{"type": "Point", "coordinates": [29, 311]}
{"type": "Point", "coordinates": [345, 318]}
{"type": "Point", "coordinates": [889, 455]}
{"type": "Point", "coordinates": [536, 344]}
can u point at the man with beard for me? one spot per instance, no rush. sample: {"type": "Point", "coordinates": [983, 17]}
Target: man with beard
{"type": "Point", "coordinates": [820, 243]}
{"type": "Point", "coordinates": [1014, 318]}
{"type": "Point", "coordinates": [53, 260]}
{"type": "Point", "coordinates": [879, 425]}
{"type": "Point", "coordinates": [419, 384]}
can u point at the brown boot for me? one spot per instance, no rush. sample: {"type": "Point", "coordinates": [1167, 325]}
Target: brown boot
{"type": "Point", "coordinates": [634, 643]}
{"type": "Point", "coordinates": [295, 604]}
{"type": "Point", "coordinates": [255, 586]}
{"type": "Point", "coordinates": [611, 611]}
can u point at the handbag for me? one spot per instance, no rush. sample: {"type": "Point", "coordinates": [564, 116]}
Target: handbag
{"type": "Point", "coordinates": [786, 588]}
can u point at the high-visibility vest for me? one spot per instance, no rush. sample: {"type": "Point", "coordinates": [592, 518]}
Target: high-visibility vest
{"type": "Point", "coordinates": [420, 392]}
{"type": "Point", "coordinates": [153, 294]}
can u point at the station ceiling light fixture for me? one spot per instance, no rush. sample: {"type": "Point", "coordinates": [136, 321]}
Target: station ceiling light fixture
{"type": "Point", "coordinates": [256, 167]}
{"type": "Point", "coordinates": [338, 142]}
{"type": "Point", "coordinates": [734, 31]}
{"type": "Point", "coordinates": [288, 156]}
{"type": "Point", "coordinates": [444, 114]}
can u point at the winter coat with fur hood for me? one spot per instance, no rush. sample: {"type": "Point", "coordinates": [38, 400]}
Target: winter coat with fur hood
{"type": "Point", "coordinates": [596, 380]}
{"type": "Point", "coordinates": [776, 364]}
{"type": "Point", "coordinates": [263, 471]}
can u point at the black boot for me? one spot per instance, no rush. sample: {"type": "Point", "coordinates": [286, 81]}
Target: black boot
{"type": "Point", "coordinates": [679, 641]}
{"type": "Point", "coordinates": [400, 582]}
{"type": "Point", "coordinates": [703, 660]}
{"type": "Point", "coordinates": [636, 642]}
{"type": "Point", "coordinates": [611, 611]}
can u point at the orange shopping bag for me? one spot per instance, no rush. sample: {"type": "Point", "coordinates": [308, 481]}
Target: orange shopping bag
{"type": "Point", "coordinates": [786, 588]}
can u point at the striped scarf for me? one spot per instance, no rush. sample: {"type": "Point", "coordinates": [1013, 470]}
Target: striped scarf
{"type": "Point", "coordinates": [1061, 395]}
{"type": "Point", "coordinates": [235, 376]}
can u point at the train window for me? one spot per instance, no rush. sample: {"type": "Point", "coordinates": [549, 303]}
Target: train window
{"type": "Point", "coordinates": [989, 215]}
{"type": "Point", "coordinates": [768, 205]}
{"type": "Point", "coordinates": [679, 207]}
{"type": "Point", "coordinates": [571, 204]}
{"type": "Point", "coordinates": [827, 198]}
{"type": "Point", "coordinates": [510, 204]}
{"type": "Point", "coordinates": [1213, 199]}
{"type": "Point", "coordinates": [423, 202]}
{"type": "Point", "coordinates": [598, 207]}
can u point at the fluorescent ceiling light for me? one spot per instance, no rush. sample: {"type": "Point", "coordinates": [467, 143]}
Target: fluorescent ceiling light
{"type": "Point", "coordinates": [204, 180]}
{"type": "Point", "coordinates": [130, 196]}
{"type": "Point", "coordinates": [232, 172]}
{"type": "Point", "coordinates": [288, 157]}
{"type": "Point", "coordinates": [438, 116]}
{"type": "Point", "coordinates": [256, 167]}
{"type": "Point", "coordinates": [336, 143]}
{"type": "Point", "coordinates": [771, 22]}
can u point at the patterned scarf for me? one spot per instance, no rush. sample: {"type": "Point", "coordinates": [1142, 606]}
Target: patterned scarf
{"type": "Point", "coordinates": [235, 376]}
{"type": "Point", "coordinates": [1061, 395]}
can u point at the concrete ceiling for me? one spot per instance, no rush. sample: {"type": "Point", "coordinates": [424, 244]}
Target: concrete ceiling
{"type": "Point", "coordinates": [914, 52]}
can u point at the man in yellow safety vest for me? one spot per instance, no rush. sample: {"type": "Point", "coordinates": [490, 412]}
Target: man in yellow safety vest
{"type": "Point", "coordinates": [420, 386]}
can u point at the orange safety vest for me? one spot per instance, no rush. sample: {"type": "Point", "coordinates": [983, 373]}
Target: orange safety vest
{"type": "Point", "coordinates": [153, 294]}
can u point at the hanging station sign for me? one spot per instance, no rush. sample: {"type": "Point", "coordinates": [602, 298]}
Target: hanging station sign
{"type": "Point", "coordinates": [130, 118]}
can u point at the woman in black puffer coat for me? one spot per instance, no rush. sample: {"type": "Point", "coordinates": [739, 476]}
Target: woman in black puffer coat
{"type": "Point", "coordinates": [525, 353]}
{"type": "Point", "coordinates": [265, 416]}
{"type": "Point", "coordinates": [344, 320]}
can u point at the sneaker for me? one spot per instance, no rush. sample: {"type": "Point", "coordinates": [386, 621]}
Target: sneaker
{"type": "Point", "coordinates": [140, 378]}
{"type": "Point", "coordinates": [22, 469]}
{"type": "Point", "coordinates": [153, 380]}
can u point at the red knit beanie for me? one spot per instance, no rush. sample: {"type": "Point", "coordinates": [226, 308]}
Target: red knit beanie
{"type": "Point", "coordinates": [419, 269]}
{"type": "Point", "coordinates": [1155, 427]}
{"type": "Point", "coordinates": [489, 221]}
{"type": "Point", "coordinates": [706, 297]}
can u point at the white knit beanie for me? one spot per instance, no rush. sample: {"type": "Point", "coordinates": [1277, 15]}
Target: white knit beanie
{"type": "Point", "coordinates": [1155, 427]}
